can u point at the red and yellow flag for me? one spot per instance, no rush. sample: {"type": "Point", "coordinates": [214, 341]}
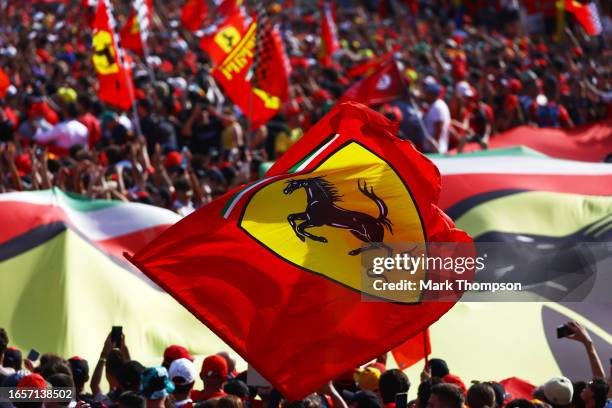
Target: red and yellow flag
{"type": "Point", "coordinates": [115, 86]}
{"type": "Point", "coordinates": [329, 33]}
{"type": "Point", "coordinates": [234, 75]}
{"type": "Point", "coordinates": [273, 267]}
{"type": "Point", "coordinates": [223, 40]}
{"type": "Point", "coordinates": [135, 32]}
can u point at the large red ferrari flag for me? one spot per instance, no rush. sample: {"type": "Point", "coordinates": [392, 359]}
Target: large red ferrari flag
{"type": "Point", "coordinates": [115, 86]}
{"type": "Point", "coordinates": [275, 267]}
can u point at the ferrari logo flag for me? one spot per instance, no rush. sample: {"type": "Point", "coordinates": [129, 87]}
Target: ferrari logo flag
{"type": "Point", "coordinates": [276, 267]}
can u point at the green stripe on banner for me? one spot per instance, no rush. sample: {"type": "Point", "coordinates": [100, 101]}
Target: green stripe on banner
{"type": "Point", "coordinates": [82, 203]}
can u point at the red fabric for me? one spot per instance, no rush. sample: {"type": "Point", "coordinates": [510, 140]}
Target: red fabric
{"type": "Point", "coordinates": [41, 109]}
{"type": "Point", "coordinates": [4, 83]}
{"type": "Point", "coordinates": [258, 302]}
{"type": "Point", "coordinates": [590, 142]}
{"type": "Point", "coordinates": [93, 126]}
{"type": "Point", "coordinates": [218, 44]}
{"type": "Point", "coordinates": [258, 105]}
{"type": "Point", "coordinates": [412, 351]}
{"type": "Point", "coordinates": [329, 34]}
{"type": "Point", "coordinates": [369, 66]}
{"type": "Point", "coordinates": [384, 85]}
{"type": "Point", "coordinates": [33, 381]}
{"type": "Point", "coordinates": [115, 86]}
{"type": "Point", "coordinates": [193, 14]}
{"type": "Point", "coordinates": [454, 379]}
{"type": "Point", "coordinates": [272, 69]}
{"type": "Point", "coordinates": [586, 15]}
{"type": "Point", "coordinates": [518, 388]}
{"type": "Point", "coordinates": [131, 36]}
{"type": "Point", "coordinates": [228, 7]}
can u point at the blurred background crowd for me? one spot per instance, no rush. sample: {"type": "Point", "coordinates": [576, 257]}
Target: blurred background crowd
{"type": "Point", "coordinates": [472, 69]}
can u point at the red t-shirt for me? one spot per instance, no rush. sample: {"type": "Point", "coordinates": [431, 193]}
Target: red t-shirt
{"type": "Point", "coordinates": [93, 126]}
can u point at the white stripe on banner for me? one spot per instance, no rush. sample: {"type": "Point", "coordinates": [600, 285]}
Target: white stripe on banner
{"type": "Point", "coordinates": [519, 165]}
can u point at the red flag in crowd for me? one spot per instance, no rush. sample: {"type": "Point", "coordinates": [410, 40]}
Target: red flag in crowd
{"type": "Point", "coordinates": [4, 83]}
{"type": "Point", "coordinates": [222, 40]}
{"type": "Point", "coordinates": [135, 32]}
{"type": "Point", "coordinates": [228, 7]}
{"type": "Point", "coordinates": [586, 14]}
{"type": "Point", "coordinates": [413, 350]}
{"type": "Point", "coordinates": [369, 66]}
{"type": "Point", "coordinates": [234, 75]}
{"type": "Point", "coordinates": [115, 85]}
{"type": "Point", "coordinates": [518, 388]}
{"type": "Point", "coordinates": [271, 67]}
{"type": "Point", "coordinates": [261, 279]}
{"type": "Point", "coordinates": [329, 35]}
{"type": "Point", "coordinates": [591, 142]}
{"type": "Point", "coordinates": [384, 85]}
{"type": "Point", "coordinates": [193, 14]}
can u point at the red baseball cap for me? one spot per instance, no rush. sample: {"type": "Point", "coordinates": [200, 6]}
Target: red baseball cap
{"type": "Point", "coordinates": [173, 159]}
{"type": "Point", "coordinates": [214, 366]}
{"type": "Point", "coordinates": [175, 352]}
{"type": "Point", "coordinates": [32, 381]}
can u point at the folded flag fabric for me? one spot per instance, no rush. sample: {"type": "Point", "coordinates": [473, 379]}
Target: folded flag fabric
{"type": "Point", "coordinates": [265, 276]}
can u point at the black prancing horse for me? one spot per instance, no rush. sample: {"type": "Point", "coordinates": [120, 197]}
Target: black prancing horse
{"type": "Point", "coordinates": [321, 209]}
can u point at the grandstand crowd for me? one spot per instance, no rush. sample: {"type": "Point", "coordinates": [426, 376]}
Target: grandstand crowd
{"type": "Point", "coordinates": [119, 381]}
{"type": "Point", "coordinates": [471, 71]}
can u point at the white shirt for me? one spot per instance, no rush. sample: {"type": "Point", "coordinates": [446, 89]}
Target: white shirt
{"type": "Point", "coordinates": [65, 134]}
{"type": "Point", "coordinates": [438, 112]}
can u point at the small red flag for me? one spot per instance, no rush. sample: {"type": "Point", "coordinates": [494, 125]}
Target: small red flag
{"type": "Point", "coordinates": [384, 85]}
{"type": "Point", "coordinates": [329, 34]}
{"type": "Point", "coordinates": [282, 285]}
{"type": "Point", "coordinates": [115, 86]}
{"type": "Point", "coordinates": [413, 350]}
{"type": "Point", "coordinates": [135, 32]}
{"type": "Point", "coordinates": [5, 82]}
{"type": "Point", "coordinates": [193, 14]}
{"type": "Point", "coordinates": [371, 65]}
{"type": "Point", "coordinates": [587, 16]}
{"type": "Point", "coordinates": [223, 40]}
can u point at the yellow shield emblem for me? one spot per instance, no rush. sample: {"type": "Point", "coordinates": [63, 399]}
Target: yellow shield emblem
{"type": "Point", "coordinates": [227, 38]}
{"type": "Point", "coordinates": [104, 57]}
{"type": "Point", "coordinates": [334, 220]}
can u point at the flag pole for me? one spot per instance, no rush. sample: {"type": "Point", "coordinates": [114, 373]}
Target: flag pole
{"type": "Point", "coordinates": [425, 349]}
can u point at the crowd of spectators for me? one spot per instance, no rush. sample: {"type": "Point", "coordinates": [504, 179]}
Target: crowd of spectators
{"type": "Point", "coordinates": [470, 73]}
{"type": "Point", "coordinates": [171, 384]}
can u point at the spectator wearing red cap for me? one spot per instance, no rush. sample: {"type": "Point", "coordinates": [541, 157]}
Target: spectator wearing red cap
{"type": "Point", "coordinates": [214, 375]}
{"type": "Point", "coordinates": [175, 352]}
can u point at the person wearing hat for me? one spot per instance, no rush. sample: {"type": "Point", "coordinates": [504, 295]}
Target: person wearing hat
{"type": "Point", "coordinates": [13, 358]}
{"type": "Point", "coordinates": [214, 375]}
{"type": "Point", "coordinates": [367, 378]}
{"type": "Point", "coordinates": [558, 392]}
{"type": "Point", "coordinates": [182, 373]}
{"type": "Point", "coordinates": [175, 352]}
{"type": "Point", "coordinates": [155, 386]}
{"type": "Point", "coordinates": [80, 375]}
{"type": "Point", "coordinates": [66, 134]}
{"type": "Point", "coordinates": [437, 120]}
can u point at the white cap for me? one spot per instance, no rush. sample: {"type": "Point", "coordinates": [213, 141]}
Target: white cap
{"type": "Point", "coordinates": [464, 89]}
{"type": "Point", "coordinates": [558, 391]}
{"type": "Point", "coordinates": [183, 368]}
